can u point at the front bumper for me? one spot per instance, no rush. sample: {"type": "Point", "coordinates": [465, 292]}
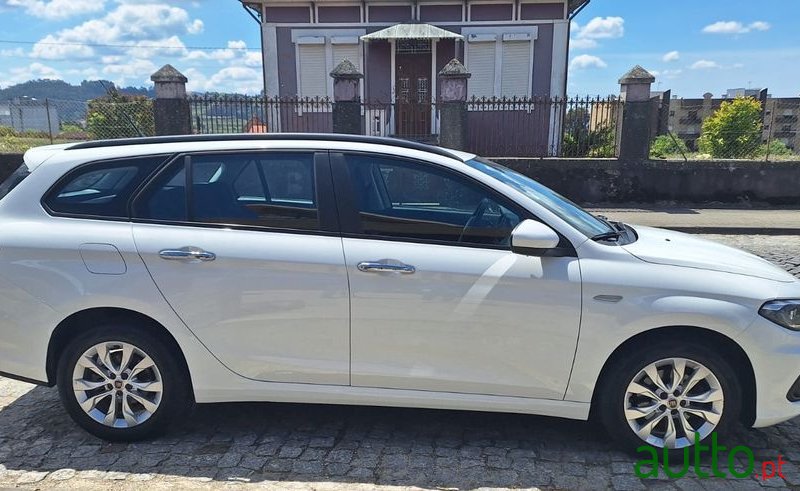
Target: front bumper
{"type": "Point", "coordinates": [774, 352]}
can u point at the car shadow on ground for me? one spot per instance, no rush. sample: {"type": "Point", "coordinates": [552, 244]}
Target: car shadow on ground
{"type": "Point", "coordinates": [257, 442]}
{"type": "Point", "coordinates": [350, 444]}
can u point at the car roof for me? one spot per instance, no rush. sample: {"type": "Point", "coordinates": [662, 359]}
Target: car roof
{"type": "Point", "coordinates": [172, 144]}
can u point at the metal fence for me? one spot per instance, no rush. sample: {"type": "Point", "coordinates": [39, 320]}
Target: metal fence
{"type": "Point", "coordinates": [242, 114]}
{"type": "Point", "coordinates": [26, 122]}
{"type": "Point", "coordinates": [496, 127]}
{"type": "Point", "coordinates": [743, 128]}
{"type": "Point", "coordinates": [543, 126]}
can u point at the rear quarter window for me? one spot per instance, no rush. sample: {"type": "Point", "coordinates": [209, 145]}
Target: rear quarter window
{"type": "Point", "coordinates": [13, 180]}
{"type": "Point", "coordinates": [100, 189]}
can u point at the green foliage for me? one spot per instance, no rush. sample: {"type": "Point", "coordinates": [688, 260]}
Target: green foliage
{"type": "Point", "coordinates": [734, 130]}
{"type": "Point", "coordinates": [665, 145]}
{"type": "Point", "coordinates": [120, 116]}
{"type": "Point", "coordinates": [6, 131]}
{"type": "Point", "coordinates": [581, 141]}
{"type": "Point", "coordinates": [776, 149]}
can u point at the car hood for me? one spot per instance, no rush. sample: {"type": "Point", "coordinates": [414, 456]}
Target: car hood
{"type": "Point", "coordinates": [660, 246]}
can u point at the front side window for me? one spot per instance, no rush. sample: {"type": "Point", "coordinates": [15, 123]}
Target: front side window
{"type": "Point", "coordinates": [404, 199]}
{"type": "Point", "coordinates": [273, 190]}
{"type": "Point", "coordinates": [101, 189]}
{"type": "Point", "coordinates": [580, 219]}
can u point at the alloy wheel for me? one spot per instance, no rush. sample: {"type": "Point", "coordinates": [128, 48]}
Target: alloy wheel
{"type": "Point", "coordinates": [671, 400]}
{"type": "Point", "coordinates": [117, 384]}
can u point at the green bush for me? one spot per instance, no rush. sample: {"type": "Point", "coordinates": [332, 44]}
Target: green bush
{"type": "Point", "coordinates": [734, 130]}
{"type": "Point", "coordinates": [120, 116]}
{"type": "Point", "coordinates": [776, 148]}
{"type": "Point", "coordinates": [6, 131]}
{"type": "Point", "coordinates": [665, 145]}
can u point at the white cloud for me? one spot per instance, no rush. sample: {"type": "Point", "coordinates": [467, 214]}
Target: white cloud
{"type": "Point", "coordinates": [31, 72]}
{"type": "Point", "coordinates": [602, 28]}
{"type": "Point", "coordinates": [128, 24]}
{"type": "Point", "coordinates": [705, 65]}
{"type": "Point", "coordinates": [229, 79]}
{"type": "Point", "coordinates": [234, 49]}
{"type": "Point", "coordinates": [582, 43]}
{"type": "Point", "coordinates": [735, 27]}
{"type": "Point", "coordinates": [135, 71]}
{"type": "Point", "coordinates": [585, 37]}
{"type": "Point", "coordinates": [760, 25]}
{"type": "Point", "coordinates": [586, 61]}
{"type": "Point", "coordinates": [672, 56]}
{"type": "Point", "coordinates": [58, 9]}
{"type": "Point", "coordinates": [671, 74]}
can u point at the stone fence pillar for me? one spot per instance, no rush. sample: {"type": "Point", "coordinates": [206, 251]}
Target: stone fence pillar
{"type": "Point", "coordinates": [346, 98]}
{"type": "Point", "coordinates": [171, 107]}
{"type": "Point", "coordinates": [634, 137]}
{"type": "Point", "coordinates": [453, 105]}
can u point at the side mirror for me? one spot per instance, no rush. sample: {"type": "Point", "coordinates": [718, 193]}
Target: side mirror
{"type": "Point", "coordinates": [533, 238]}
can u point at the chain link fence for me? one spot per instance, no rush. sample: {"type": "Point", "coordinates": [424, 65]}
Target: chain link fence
{"type": "Point", "coordinates": [741, 128]}
{"type": "Point", "coordinates": [26, 123]}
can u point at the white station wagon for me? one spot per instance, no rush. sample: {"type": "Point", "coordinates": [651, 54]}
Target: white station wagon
{"type": "Point", "coordinates": [141, 276]}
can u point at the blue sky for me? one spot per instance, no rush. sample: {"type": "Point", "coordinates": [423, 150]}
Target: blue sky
{"type": "Point", "coordinates": [691, 46]}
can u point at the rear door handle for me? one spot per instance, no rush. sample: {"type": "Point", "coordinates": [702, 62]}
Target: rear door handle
{"type": "Point", "coordinates": [370, 267]}
{"type": "Point", "coordinates": [190, 254]}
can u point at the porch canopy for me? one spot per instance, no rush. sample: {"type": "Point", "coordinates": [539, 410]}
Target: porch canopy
{"type": "Point", "coordinates": [411, 31]}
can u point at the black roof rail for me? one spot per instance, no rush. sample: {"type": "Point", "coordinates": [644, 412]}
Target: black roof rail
{"type": "Point", "coordinates": [333, 137]}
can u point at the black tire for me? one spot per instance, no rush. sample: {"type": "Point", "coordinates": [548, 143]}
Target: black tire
{"type": "Point", "coordinates": [176, 397]}
{"type": "Point", "coordinates": [611, 398]}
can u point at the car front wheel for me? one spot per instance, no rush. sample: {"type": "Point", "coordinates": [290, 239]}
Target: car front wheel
{"type": "Point", "coordinates": [121, 383]}
{"type": "Point", "coordinates": [669, 396]}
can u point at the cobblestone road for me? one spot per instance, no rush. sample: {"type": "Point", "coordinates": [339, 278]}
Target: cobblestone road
{"type": "Point", "coordinates": [329, 447]}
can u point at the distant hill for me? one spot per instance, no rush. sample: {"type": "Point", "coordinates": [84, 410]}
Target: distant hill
{"type": "Point", "coordinates": [60, 90]}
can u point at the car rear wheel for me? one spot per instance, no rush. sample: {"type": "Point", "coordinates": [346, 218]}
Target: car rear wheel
{"type": "Point", "coordinates": [121, 383]}
{"type": "Point", "coordinates": [669, 396]}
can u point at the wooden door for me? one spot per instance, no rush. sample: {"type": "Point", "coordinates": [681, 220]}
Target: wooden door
{"type": "Point", "coordinates": [413, 89]}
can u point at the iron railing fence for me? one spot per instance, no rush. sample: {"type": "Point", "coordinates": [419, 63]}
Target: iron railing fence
{"type": "Point", "coordinates": [496, 127]}
{"type": "Point", "coordinates": [543, 126]}
{"type": "Point", "coordinates": [212, 114]}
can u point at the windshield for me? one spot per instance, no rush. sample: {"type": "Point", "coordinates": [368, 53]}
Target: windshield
{"type": "Point", "coordinates": [14, 179]}
{"type": "Point", "coordinates": [582, 220]}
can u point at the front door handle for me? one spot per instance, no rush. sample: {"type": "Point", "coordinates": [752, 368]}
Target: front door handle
{"type": "Point", "coordinates": [191, 254]}
{"type": "Point", "coordinates": [369, 267]}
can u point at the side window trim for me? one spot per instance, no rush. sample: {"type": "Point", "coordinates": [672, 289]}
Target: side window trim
{"type": "Point", "coordinates": [70, 174]}
{"type": "Point", "coordinates": [323, 183]}
{"type": "Point", "coordinates": [351, 223]}
{"type": "Point", "coordinates": [349, 214]}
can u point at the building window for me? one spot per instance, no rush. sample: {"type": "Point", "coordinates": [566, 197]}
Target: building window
{"type": "Point", "coordinates": [317, 56]}
{"type": "Point", "coordinates": [501, 64]}
{"type": "Point", "coordinates": [515, 79]}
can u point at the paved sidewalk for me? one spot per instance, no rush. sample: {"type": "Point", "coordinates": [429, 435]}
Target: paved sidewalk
{"type": "Point", "coordinates": [710, 220]}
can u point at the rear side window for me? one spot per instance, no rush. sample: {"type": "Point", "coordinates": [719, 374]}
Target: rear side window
{"type": "Point", "coordinates": [13, 180]}
{"type": "Point", "coordinates": [274, 190]}
{"type": "Point", "coordinates": [101, 189]}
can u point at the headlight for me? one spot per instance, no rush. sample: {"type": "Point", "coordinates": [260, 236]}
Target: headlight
{"type": "Point", "coordinates": [785, 313]}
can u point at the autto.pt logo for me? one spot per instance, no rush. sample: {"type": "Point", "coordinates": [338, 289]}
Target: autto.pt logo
{"type": "Point", "coordinates": [739, 462]}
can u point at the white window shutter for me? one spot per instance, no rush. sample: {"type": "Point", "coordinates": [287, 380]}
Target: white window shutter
{"type": "Point", "coordinates": [351, 52]}
{"type": "Point", "coordinates": [515, 79]}
{"type": "Point", "coordinates": [481, 57]}
{"type": "Point", "coordinates": [313, 72]}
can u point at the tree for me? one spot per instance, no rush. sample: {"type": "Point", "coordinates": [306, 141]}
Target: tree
{"type": "Point", "coordinates": [581, 140]}
{"type": "Point", "coordinates": [734, 130]}
{"type": "Point", "coordinates": [120, 116]}
{"type": "Point", "coordinates": [664, 146]}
